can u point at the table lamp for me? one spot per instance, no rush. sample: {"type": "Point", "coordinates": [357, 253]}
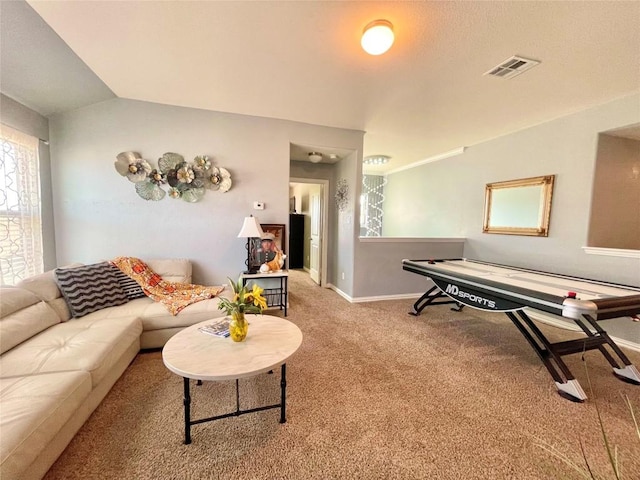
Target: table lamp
{"type": "Point", "coordinates": [250, 229]}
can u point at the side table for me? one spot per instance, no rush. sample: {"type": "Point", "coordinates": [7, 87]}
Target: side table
{"type": "Point", "coordinates": [278, 296]}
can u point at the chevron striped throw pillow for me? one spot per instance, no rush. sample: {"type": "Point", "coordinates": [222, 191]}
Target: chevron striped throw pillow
{"type": "Point", "coordinates": [128, 284]}
{"type": "Point", "coordinates": [90, 288]}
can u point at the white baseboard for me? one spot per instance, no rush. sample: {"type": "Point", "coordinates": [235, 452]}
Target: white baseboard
{"type": "Point", "coordinates": [340, 292]}
{"type": "Point", "coordinates": [377, 298]}
{"type": "Point", "coordinates": [350, 299]}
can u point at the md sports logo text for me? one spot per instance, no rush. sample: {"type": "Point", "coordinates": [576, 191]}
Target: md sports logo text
{"type": "Point", "coordinates": [456, 292]}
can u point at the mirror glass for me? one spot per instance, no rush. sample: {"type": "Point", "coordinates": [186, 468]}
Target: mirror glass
{"type": "Point", "coordinates": [519, 207]}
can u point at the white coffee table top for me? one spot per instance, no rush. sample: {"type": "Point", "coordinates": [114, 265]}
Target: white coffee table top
{"type": "Point", "coordinates": [270, 342]}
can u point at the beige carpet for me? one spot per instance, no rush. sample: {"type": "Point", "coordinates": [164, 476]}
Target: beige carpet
{"type": "Point", "coordinates": [373, 393]}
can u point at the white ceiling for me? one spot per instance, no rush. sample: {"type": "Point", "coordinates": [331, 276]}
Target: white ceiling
{"type": "Point", "coordinates": [38, 69]}
{"type": "Point", "coordinates": [302, 61]}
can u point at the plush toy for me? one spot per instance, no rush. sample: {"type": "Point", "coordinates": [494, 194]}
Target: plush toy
{"type": "Point", "coordinates": [274, 265]}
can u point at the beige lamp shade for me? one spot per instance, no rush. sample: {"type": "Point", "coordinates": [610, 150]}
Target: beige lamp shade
{"type": "Point", "coordinates": [250, 228]}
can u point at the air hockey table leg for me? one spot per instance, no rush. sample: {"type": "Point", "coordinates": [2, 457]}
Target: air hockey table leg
{"type": "Point", "coordinates": [628, 374]}
{"type": "Point", "coordinates": [431, 298]}
{"type": "Point", "coordinates": [568, 387]}
{"type": "Point", "coordinates": [571, 390]}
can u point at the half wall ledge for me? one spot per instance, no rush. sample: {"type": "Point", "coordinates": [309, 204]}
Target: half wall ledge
{"type": "Point", "coordinates": [612, 252]}
{"type": "Point", "coordinates": [412, 239]}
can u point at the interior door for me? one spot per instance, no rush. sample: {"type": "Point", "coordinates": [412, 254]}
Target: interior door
{"type": "Point", "coordinates": [316, 228]}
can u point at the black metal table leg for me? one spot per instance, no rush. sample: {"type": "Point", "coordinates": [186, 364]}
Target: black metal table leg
{"type": "Point", "coordinates": [627, 371]}
{"type": "Point", "coordinates": [286, 293]}
{"type": "Point", "coordinates": [551, 356]}
{"type": "Point", "coordinates": [237, 397]}
{"type": "Point", "coordinates": [283, 393]}
{"type": "Point", "coordinates": [187, 412]}
{"type": "Point", "coordinates": [188, 422]}
{"type": "Point", "coordinates": [431, 298]}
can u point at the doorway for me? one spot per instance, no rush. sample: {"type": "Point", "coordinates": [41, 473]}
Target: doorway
{"type": "Point", "coordinates": [309, 200]}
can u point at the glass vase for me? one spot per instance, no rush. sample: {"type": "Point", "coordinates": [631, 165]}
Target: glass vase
{"type": "Point", "coordinates": [238, 327]}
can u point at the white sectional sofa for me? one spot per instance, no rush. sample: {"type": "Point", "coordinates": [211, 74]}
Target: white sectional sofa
{"type": "Point", "coordinates": [55, 370]}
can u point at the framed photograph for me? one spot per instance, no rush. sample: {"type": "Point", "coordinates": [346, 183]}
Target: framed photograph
{"type": "Point", "coordinates": [264, 249]}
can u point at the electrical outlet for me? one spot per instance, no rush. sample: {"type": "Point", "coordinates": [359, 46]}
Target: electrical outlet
{"type": "Point", "coordinates": [342, 275]}
{"type": "Point", "coordinates": [258, 205]}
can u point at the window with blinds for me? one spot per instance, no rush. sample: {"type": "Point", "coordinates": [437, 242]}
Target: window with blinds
{"type": "Point", "coordinates": [20, 213]}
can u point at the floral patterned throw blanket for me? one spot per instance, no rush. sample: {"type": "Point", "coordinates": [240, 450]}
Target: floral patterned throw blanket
{"type": "Point", "coordinates": [175, 296]}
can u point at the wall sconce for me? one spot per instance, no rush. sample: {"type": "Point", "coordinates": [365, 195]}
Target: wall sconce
{"type": "Point", "coordinates": [250, 229]}
{"type": "Point", "coordinates": [377, 37]}
{"type": "Point", "coordinates": [315, 157]}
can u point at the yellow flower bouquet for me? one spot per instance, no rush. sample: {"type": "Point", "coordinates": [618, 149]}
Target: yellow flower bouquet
{"type": "Point", "coordinates": [244, 301]}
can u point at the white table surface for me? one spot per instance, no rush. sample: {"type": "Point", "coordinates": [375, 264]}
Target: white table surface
{"type": "Point", "coordinates": [270, 274]}
{"type": "Point", "coordinates": [557, 285]}
{"type": "Point", "coordinates": [269, 343]}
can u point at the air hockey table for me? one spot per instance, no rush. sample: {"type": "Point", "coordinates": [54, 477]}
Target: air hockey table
{"type": "Point", "coordinates": [500, 288]}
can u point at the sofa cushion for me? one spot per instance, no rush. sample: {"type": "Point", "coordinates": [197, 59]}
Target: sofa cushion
{"type": "Point", "coordinates": [154, 316]}
{"type": "Point", "coordinates": [22, 315]}
{"type": "Point", "coordinates": [173, 269]}
{"type": "Point", "coordinates": [43, 285]}
{"type": "Point", "coordinates": [15, 299]}
{"type": "Point", "coordinates": [34, 409]}
{"type": "Point", "coordinates": [59, 305]}
{"type": "Point", "coordinates": [90, 287]}
{"type": "Point", "coordinates": [89, 344]}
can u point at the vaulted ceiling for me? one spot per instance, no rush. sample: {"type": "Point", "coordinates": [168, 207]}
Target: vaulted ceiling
{"type": "Point", "coordinates": [302, 61]}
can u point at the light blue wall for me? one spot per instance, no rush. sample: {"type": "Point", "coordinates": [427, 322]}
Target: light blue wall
{"type": "Point", "coordinates": [446, 198]}
{"type": "Point", "coordinates": [426, 201]}
{"type": "Point", "coordinates": [348, 227]}
{"type": "Point", "coordinates": [99, 215]}
{"type": "Point", "coordinates": [382, 274]}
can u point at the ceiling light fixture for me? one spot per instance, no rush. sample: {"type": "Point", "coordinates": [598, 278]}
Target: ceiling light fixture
{"type": "Point", "coordinates": [315, 157]}
{"type": "Point", "coordinates": [376, 159]}
{"type": "Point", "coordinates": [377, 37]}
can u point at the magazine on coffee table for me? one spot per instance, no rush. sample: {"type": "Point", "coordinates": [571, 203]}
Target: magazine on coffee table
{"type": "Point", "coordinates": [219, 328]}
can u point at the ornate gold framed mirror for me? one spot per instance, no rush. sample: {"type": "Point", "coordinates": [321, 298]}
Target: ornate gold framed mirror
{"type": "Point", "coordinates": [519, 207]}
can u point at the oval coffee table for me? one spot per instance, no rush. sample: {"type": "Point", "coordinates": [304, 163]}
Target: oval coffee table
{"type": "Point", "coordinates": [195, 355]}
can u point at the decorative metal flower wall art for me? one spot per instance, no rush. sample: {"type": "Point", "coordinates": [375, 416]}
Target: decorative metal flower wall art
{"type": "Point", "coordinates": [342, 194]}
{"type": "Point", "coordinates": [184, 180]}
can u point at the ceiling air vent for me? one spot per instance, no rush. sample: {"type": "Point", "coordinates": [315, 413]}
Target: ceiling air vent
{"type": "Point", "coordinates": [512, 67]}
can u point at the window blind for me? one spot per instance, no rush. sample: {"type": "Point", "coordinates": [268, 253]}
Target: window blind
{"type": "Point", "coordinates": [20, 207]}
